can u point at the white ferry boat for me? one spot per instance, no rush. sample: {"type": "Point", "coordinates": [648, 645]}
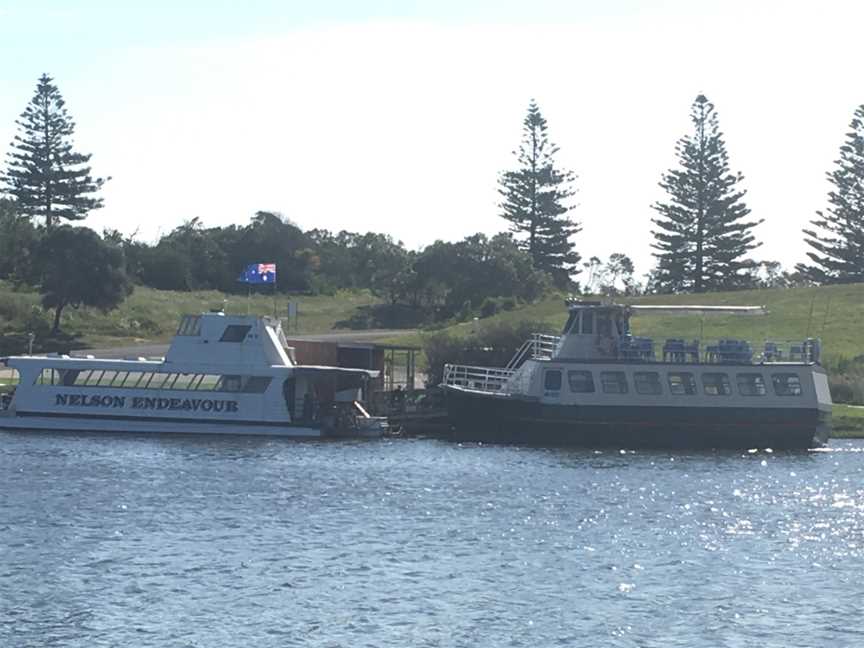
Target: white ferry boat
{"type": "Point", "coordinates": [598, 385]}
{"type": "Point", "coordinates": [223, 374]}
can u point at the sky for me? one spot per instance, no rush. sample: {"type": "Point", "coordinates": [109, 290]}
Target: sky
{"type": "Point", "coordinates": [397, 117]}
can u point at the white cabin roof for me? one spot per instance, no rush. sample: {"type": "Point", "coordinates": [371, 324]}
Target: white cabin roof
{"type": "Point", "coordinates": [217, 339]}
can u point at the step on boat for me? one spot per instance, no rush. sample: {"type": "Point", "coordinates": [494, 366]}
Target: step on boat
{"type": "Point", "coordinates": [223, 374]}
{"type": "Point", "coordinates": [597, 385]}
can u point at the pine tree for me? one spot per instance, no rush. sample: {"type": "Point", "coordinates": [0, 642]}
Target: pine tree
{"type": "Point", "coordinates": [839, 245]}
{"type": "Point", "coordinates": [45, 176]}
{"type": "Point", "coordinates": [701, 236]}
{"type": "Point", "coordinates": [534, 202]}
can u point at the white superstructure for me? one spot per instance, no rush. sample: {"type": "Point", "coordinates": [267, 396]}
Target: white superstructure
{"type": "Point", "coordinates": [223, 374]}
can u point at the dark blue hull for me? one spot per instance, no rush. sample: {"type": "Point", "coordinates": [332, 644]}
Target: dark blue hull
{"type": "Point", "coordinates": [492, 418]}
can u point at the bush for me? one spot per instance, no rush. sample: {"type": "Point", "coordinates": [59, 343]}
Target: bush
{"type": "Point", "coordinates": [841, 392]}
{"type": "Point", "coordinates": [493, 345]}
{"type": "Point", "coordinates": [847, 389]}
{"type": "Point", "coordinates": [509, 303]}
{"type": "Point", "coordinates": [376, 316]}
{"type": "Point", "coordinates": [489, 307]}
{"type": "Point", "coordinates": [15, 307]}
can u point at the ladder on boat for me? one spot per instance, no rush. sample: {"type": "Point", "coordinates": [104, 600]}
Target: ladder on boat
{"type": "Point", "coordinates": [537, 347]}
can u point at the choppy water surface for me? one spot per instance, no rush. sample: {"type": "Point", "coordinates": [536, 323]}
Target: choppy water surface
{"type": "Point", "coordinates": [131, 541]}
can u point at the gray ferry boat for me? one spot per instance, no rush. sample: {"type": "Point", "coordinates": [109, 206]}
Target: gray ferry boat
{"type": "Point", "coordinates": [597, 385]}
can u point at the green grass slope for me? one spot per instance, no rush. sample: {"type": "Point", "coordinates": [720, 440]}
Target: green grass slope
{"type": "Point", "coordinates": [833, 313]}
{"type": "Point", "coordinates": [152, 315]}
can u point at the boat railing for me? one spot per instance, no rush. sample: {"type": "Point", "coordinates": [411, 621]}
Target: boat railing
{"type": "Point", "coordinates": [537, 347]}
{"type": "Point", "coordinates": [491, 379]}
{"type": "Point", "coordinates": [722, 351]}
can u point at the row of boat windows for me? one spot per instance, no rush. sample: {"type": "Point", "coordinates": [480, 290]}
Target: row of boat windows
{"type": "Point", "coordinates": [679, 383]}
{"type": "Point", "coordinates": [153, 380]}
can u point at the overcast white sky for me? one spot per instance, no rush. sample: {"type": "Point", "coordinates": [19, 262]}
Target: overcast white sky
{"type": "Point", "coordinates": [397, 117]}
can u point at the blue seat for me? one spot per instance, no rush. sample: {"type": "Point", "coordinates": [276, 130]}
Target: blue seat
{"type": "Point", "coordinates": [735, 351]}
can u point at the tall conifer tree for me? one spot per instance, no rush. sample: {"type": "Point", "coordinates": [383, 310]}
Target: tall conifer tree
{"type": "Point", "coordinates": [45, 176]}
{"type": "Point", "coordinates": [837, 235]}
{"type": "Point", "coordinates": [535, 201]}
{"type": "Point", "coordinates": [702, 235]}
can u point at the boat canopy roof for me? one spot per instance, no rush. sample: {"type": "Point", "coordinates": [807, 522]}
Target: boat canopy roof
{"type": "Point", "coordinates": [666, 309]}
{"type": "Point", "coordinates": [682, 309]}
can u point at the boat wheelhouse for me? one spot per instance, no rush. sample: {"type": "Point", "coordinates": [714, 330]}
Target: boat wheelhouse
{"type": "Point", "coordinates": [223, 374]}
{"type": "Point", "coordinates": [598, 385]}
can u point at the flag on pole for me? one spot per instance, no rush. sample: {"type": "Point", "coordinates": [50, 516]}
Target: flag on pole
{"type": "Point", "coordinates": [259, 273]}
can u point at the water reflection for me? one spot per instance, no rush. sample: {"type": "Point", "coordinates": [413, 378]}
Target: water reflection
{"type": "Point", "coordinates": [192, 541]}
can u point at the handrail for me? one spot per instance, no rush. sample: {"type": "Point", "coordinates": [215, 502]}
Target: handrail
{"type": "Point", "coordinates": [538, 346]}
{"type": "Point", "coordinates": [682, 351]}
{"type": "Point", "coordinates": [479, 378]}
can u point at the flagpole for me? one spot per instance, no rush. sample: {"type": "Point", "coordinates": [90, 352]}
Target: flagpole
{"type": "Point", "coordinates": [274, 296]}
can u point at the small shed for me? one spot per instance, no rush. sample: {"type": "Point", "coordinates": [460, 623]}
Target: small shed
{"type": "Point", "coordinates": [397, 364]}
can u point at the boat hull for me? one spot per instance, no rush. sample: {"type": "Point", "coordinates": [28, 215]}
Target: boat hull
{"type": "Point", "coordinates": [493, 418]}
{"type": "Point", "coordinates": [36, 422]}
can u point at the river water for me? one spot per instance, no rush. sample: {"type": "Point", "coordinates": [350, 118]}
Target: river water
{"type": "Point", "coordinates": [135, 541]}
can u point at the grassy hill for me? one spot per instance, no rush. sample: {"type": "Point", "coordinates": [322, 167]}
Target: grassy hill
{"type": "Point", "coordinates": [833, 313]}
{"type": "Point", "coordinates": [152, 315]}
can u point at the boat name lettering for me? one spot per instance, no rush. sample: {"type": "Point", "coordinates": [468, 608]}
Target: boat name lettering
{"type": "Point", "coordinates": [148, 403]}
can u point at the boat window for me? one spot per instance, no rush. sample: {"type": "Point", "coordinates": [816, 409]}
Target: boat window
{"type": "Point", "coordinates": [208, 382]}
{"type": "Point", "coordinates": [647, 382]}
{"type": "Point", "coordinates": [229, 384]}
{"type": "Point", "coordinates": [119, 377]}
{"type": "Point", "coordinates": [105, 378]}
{"type": "Point", "coordinates": [82, 378]}
{"type": "Point", "coordinates": [552, 381]}
{"type": "Point", "coordinates": [581, 382]}
{"type": "Point", "coordinates": [68, 377]}
{"type": "Point", "coordinates": [682, 383]}
{"type": "Point", "coordinates": [588, 322]}
{"type": "Point", "coordinates": [190, 325]}
{"type": "Point", "coordinates": [751, 384]}
{"type": "Point", "coordinates": [95, 377]}
{"type": "Point", "coordinates": [259, 384]}
{"type": "Point", "coordinates": [787, 384]}
{"type": "Point", "coordinates": [10, 379]}
{"type": "Point", "coordinates": [604, 324]}
{"type": "Point", "coordinates": [47, 377]}
{"type": "Point", "coordinates": [716, 384]}
{"type": "Point", "coordinates": [160, 380]}
{"type": "Point", "coordinates": [572, 320]}
{"type": "Point", "coordinates": [196, 381]}
{"type": "Point", "coordinates": [131, 380]}
{"type": "Point", "coordinates": [235, 333]}
{"type": "Point", "coordinates": [183, 381]}
{"type": "Point", "coordinates": [613, 382]}
{"type": "Point", "coordinates": [149, 379]}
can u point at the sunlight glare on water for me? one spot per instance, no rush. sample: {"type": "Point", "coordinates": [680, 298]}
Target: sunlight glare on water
{"type": "Point", "coordinates": [112, 540]}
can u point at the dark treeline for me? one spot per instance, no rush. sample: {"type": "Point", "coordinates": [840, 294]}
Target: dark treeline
{"type": "Point", "coordinates": [438, 282]}
{"type": "Point", "coordinates": [703, 235]}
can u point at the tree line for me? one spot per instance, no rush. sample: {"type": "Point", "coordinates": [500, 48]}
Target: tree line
{"type": "Point", "coordinates": [703, 233]}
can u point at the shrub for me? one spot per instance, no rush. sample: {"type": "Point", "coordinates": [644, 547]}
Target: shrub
{"type": "Point", "coordinates": [489, 307]}
{"type": "Point", "coordinates": [841, 392]}
{"type": "Point", "coordinates": [492, 345]}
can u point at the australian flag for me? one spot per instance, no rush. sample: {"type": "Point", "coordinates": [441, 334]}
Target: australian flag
{"type": "Point", "coordinates": [259, 273]}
